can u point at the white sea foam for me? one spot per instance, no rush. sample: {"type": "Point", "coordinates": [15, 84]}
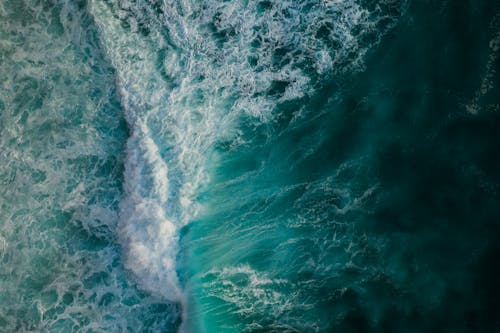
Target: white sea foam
{"type": "Point", "coordinates": [487, 82]}
{"type": "Point", "coordinates": [249, 290]}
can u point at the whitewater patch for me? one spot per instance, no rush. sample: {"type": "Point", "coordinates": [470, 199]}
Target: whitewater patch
{"type": "Point", "coordinates": [149, 223]}
{"type": "Point", "coordinates": [144, 219]}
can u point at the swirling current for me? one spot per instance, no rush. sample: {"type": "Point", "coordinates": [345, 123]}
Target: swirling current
{"type": "Point", "coordinates": [249, 166]}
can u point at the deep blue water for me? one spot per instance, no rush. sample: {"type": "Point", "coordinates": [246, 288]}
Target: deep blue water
{"type": "Point", "coordinates": [249, 166]}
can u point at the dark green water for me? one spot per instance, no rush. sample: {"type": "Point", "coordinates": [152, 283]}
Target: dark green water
{"type": "Point", "coordinates": [268, 166]}
{"type": "Point", "coordinates": [376, 209]}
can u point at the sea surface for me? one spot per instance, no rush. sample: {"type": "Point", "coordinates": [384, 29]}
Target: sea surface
{"type": "Point", "coordinates": [212, 166]}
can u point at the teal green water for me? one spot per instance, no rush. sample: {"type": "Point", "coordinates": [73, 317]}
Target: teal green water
{"type": "Point", "coordinates": [266, 166]}
{"type": "Point", "coordinates": [62, 138]}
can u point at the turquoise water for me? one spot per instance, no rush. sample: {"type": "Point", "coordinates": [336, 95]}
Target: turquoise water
{"type": "Point", "coordinates": [266, 166]}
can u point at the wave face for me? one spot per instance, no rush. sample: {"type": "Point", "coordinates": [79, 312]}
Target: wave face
{"type": "Point", "coordinates": [248, 166]}
{"type": "Point", "coordinates": [191, 76]}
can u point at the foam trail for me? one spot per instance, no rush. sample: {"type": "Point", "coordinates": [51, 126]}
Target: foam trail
{"type": "Point", "coordinates": [144, 219]}
{"type": "Point", "coordinates": [149, 223]}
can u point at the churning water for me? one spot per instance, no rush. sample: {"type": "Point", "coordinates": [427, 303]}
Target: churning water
{"type": "Point", "coordinates": [249, 166]}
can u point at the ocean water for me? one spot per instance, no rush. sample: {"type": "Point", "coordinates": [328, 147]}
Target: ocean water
{"type": "Point", "coordinates": [249, 166]}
